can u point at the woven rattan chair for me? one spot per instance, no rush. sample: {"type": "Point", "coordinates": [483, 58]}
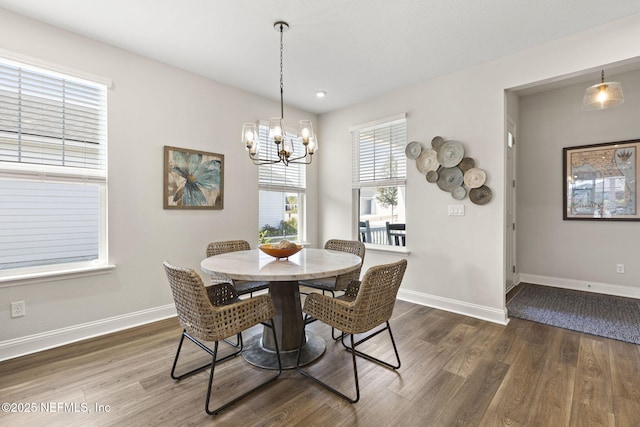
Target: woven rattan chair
{"type": "Point", "coordinates": [338, 283]}
{"type": "Point", "coordinates": [242, 286]}
{"type": "Point", "coordinates": [204, 322]}
{"type": "Point", "coordinates": [364, 306]}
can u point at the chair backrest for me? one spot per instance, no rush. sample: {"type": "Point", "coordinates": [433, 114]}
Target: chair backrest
{"type": "Point", "coordinates": [195, 312]}
{"type": "Point", "coordinates": [365, 231]}
{"type": "Point", "coordinates": [376, 296]}
{"type": "Point", "coordinates": [396, 234]}
{"type": "Point", "coordinates": [352, 247]}
{"type": "Point", "coordinates": [217, 248]}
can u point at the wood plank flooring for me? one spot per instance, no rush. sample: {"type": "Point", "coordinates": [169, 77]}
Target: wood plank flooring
{"type": "Point", "coordinates": [456, 371]}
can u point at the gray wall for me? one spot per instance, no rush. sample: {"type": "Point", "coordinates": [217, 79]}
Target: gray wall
{"type": "Point", "coordinates": [150, 105]}
{"type": "Point", "coordinates": [577, 254]}
{"type": "Point", "coordinates": [458, 263]}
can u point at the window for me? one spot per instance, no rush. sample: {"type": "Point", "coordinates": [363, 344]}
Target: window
{"type": "Point", "coordinates": [282, 195]}
{"type": "Point", "coordinates": [53, 172]}
{"type": "Point", "coordinates": [379, 178]}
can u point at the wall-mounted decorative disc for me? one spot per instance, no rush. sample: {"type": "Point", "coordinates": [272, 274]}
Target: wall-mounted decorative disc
{"type": "Point", "coordinates": [466, 164]}
{"type": "Point", "coordinates": [474, 178]}
{"type": "Point", "coordinates": [450, 154]}
{"type": "Point", "coordinates": [432, 176]}
{"type": "Point", "coordinates": [481, 195]}
{"type": "Point", "coordinates": [459, 193]}
{"type": "Point", "coordinates": [449, 178]}
{"type": "Point", "coordinates": [437, 142]}
{"type": "Point", "coordinates": [413, 150]}
{"type": "Point", "coordinates": [427, 161]}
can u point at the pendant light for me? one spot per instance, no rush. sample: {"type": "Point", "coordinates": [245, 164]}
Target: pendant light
{"type": "Point", "coordinates": [285, 143]}
{"type": "Point", "coordinates": [602, 95]}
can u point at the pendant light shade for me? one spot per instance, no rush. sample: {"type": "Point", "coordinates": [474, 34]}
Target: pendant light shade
{"type": "Point", "coordinates": [602, 95]}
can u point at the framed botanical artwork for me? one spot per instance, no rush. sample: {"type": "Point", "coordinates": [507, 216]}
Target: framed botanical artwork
{"type": "Point", "coordinates": [600, 181]}
{"type": "Point", "coordinates": [193, 179]}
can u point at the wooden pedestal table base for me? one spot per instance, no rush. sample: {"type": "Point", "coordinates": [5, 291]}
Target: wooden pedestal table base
{"type": "Point", "coordinates": [260, 350]}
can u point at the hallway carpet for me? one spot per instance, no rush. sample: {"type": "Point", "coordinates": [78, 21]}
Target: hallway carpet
{"type": "Point", "coordinates": [597, 314]}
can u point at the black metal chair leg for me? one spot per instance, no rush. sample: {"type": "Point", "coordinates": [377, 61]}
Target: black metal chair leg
{"type": "Point", "coordinates": [238, 344]}
{"type": "Point", "coordinates": [336, 338]}
{"type": "Point", "coordinates": [323, 384]}
{"type": "Point", "coordinates": [371, 358]}
{"type": "Point", "coordinates": [270, 380]}
{"type": "Point", "coordinates": [201, 368]}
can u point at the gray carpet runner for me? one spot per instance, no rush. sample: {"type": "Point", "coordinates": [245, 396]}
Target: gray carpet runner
{"type": "Point", "coordinates": [602, 315]}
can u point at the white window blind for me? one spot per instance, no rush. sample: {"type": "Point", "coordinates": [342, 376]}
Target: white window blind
{"type": "Point", "coordinates": [53, 169]}
{"type": "Point", "coordinates": [378, 154]}
{"type": "Point", "coordinates": [48, 119]}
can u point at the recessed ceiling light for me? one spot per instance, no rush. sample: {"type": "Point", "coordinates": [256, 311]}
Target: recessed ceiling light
{"type": "Point", "coordinates": [321, 93]}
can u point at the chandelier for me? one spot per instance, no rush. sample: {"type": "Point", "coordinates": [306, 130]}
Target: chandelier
{"type": "Point", "coordinates": [284, 142]}
{"type": "Point", "coordinates": [602, 95]}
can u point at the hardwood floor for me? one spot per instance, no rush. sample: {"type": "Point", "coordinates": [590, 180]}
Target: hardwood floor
{"type": "Point", "coordinates": [456, 370]}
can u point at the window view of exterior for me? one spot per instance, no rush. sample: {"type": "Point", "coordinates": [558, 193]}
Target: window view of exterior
{"type": "Point", "coordinates": [379, 175]}
{"type": "Point", "coordinates": [282, 195]}
{"type": "Point", "coordinates": [379, 206]}
{"type": "Point", "coordinates": [279, 215]}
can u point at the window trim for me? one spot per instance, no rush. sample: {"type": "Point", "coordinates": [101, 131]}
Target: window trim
{"type": "Point", "coordinates": [359, 185]}
{"type": "Point", "coordinates": [52, 276]}
{"type": "Point", "coordinates": [61, 174]}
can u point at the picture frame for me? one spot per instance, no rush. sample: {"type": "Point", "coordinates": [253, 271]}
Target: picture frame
{"type": "Point", "coordinates": [599, 181]}
{"type": "Point", "coordinates": [193, 179]}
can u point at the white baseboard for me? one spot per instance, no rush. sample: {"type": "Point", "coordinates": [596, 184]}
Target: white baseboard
{"type": "Point", "coordinates": [581, 285]}
{"type": "Point", "coordinates": [455, 306]}
{"type": "Point", "coordinates": [38, 342]}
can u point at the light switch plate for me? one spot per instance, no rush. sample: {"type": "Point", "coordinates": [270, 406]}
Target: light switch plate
{"type": "Point", "coordinates": [455, 210]}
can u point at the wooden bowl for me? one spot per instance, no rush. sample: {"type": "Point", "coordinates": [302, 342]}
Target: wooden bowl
{"type": "Point", "coordinates": [278, 253]}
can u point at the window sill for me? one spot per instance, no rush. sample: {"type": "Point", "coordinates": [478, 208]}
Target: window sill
{"type": "Point", "coordinates": [402, 250]}
{"type": "Point", "coordinates": [50, 276]}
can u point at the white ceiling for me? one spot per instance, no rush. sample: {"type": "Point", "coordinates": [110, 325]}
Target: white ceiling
{"type": "Point", "coordinates": [353, 49]}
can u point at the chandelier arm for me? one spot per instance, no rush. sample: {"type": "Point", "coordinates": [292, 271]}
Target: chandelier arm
{"type": "Point", "coordinates": [259, 161]}
{"type": "Point", "coordinates": [306, 153]}
{"type": "Point", "coordinates": [294, 161]}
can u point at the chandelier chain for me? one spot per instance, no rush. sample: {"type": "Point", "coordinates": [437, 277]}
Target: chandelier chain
{"type": "Point", "coordinates": [281, 73]}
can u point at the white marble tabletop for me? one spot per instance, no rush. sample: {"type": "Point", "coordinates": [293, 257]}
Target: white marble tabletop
{"type": "Point", "coordinates": [307, 264]}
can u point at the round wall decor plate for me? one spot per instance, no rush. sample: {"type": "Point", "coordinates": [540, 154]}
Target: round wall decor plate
{"type": "Point", "coordinates": [432, 176]}
{"type": "Point", "coordinates": [413, 150]}
{"type": "Point", "coordinates": [427, 161]}
{"type": "Point", "coordinates": [481, 195]}
{"type": "Point", "coordinates": [450, 154]}
{"type": "Point", "coordinates": [449, 179]}
{"type": "Point", "coordinates": [466, 164]}
{"type": "Point", "coordinates": [474, 178]}
{"type": "Point", "coordinates": [437, 142]}
{"type": "Point", "coordinates": [459, 193]}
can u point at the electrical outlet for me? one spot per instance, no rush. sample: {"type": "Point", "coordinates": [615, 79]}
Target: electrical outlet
{"type": "Point", "coordinates": [619, 268]}
{"type": "Point", "coordinates": [18, 309]}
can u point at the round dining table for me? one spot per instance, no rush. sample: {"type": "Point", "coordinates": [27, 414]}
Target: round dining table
{"type": "Point", "coordinates": [283, 276]}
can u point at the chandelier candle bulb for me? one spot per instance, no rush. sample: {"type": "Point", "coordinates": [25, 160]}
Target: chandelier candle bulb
{"type": "Point", "coordinates": [253, 150]}
{"type": "Point", "coordinates": [312, 147]}
{"type": "Point", "coordinates": [306, 129]}
{"type": "Point", "coordinates": [249, 133]}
